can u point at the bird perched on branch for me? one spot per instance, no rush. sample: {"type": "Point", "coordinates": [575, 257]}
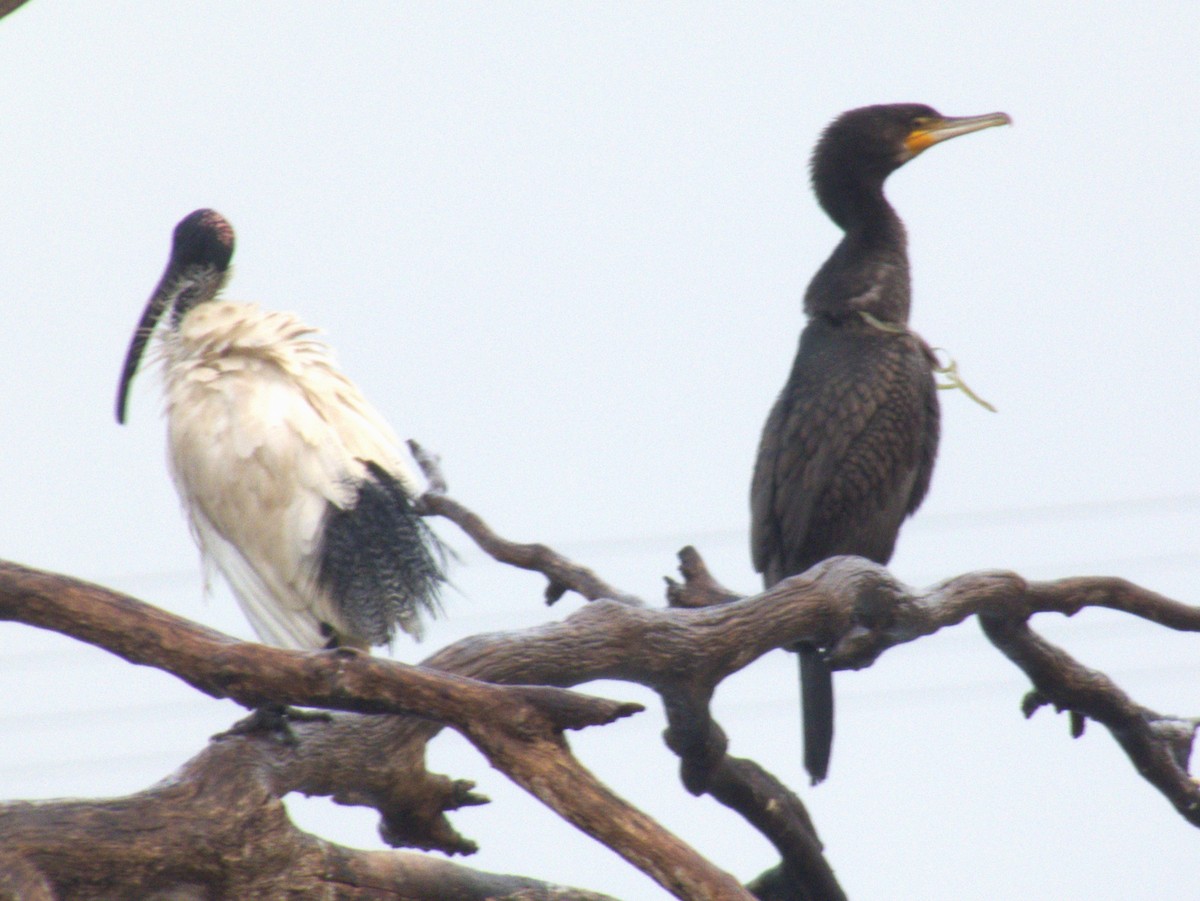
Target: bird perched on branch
{"type": "Point", "coordinates": [848, 449]}
{"type": "Point", "coordinates": [294, 486]}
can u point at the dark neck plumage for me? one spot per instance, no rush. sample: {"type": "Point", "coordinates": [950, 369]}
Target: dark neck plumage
{"type": "Point", "coordinates": [868, 270]}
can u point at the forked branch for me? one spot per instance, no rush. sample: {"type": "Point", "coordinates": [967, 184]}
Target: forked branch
{"type": "Point", "coordinates": [859, 611]}
{"type": "Point", "coordinates": [517, 728]}
{"type": "Point", "coordinates": [683, 651]}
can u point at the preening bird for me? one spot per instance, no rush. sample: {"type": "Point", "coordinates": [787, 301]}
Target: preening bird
{"type": "Point", "coordinates": [295, 488]}
{"type": "Point", "coordinates": [847, 451]}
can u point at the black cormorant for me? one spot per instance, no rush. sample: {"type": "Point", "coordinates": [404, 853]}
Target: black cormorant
{"type": "Point", "coordinates": [848, 449]}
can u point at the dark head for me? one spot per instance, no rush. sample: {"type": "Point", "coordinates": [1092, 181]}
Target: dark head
{"type": "Point", "coordinates": [200, 253]}
{"type": "Point", "coordinates": [862, 147]}
{"type": "Point", "coordinates": [202, 239]}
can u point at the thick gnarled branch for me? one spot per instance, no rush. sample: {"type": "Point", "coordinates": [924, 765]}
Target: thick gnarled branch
{"type": "Point", "coordinates": [855, 608]}
{"type": "Point", "coordinates": [255, 675]}
{"type": "Point", "coordinates": [219, 828]}
{"type": "Point", "coordinates": [517, 728]}
{"type": "Point", "coordinates": [859, 611]}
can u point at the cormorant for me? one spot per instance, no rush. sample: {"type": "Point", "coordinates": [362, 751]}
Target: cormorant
{"type": "Point", "coordinates": [848, 449]}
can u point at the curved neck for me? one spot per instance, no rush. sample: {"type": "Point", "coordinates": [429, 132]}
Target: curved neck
{"type": "Point", "coordinates": [190, 287]}
{"type": "Point", "coordinates": [854, 200]}
{"type": "Point", "coordinates": [868, 270]}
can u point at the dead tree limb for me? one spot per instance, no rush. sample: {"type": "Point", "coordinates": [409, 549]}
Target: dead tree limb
{"type": "Point", "coordinates": [519, 729]}
{"type": "Point", "coordinates": [254, 675]}
{"type": "Point", "coordinates": [853, 607]}
{"type": "Point", "coordinates": [1158, 745]}
{"type": "Point", "coordinates": [8, 6]}
{"type": "Point", "coordinates": [859, 611]}
{"type": "Point", "coordinates": [218, 829]}
{"type": "Point", "coordinates": [562, 575]}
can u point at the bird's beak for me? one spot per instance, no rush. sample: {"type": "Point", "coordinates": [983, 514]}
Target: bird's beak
{"type": "Point", "coordinates": [926, 135]}
{"type": "Point", "coordinates": [141, 336]}
{"type": "Point", "coordinates": [201, 248]}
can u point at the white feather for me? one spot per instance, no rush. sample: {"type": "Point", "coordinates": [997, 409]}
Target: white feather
{"type": "Point", "coordinates": [264, 433]}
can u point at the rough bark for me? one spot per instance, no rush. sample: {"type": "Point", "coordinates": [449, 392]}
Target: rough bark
{"type": "Point", "coordinates": [218, 830]}
{"type": "Point", "coordinates": [682, 651]}
{"type": "Point", "coordinates": [519, 729]}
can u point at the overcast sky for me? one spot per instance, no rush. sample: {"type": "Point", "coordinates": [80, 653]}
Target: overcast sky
{"type": "Point", "coordinates": [565, 245]}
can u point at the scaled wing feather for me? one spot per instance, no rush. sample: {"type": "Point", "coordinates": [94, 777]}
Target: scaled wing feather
{"type": "Point", "coordinates": [265, 434]}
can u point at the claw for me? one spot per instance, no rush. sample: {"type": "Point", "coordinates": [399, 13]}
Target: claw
{"type": "Point", "coordinates": [274, 721]}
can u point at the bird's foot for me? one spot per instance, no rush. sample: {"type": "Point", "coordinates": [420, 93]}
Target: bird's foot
{"type": "Point", "coordinates": [274, 721]}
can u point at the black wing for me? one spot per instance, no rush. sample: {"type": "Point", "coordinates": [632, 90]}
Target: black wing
{"type": "Point", "coordinates": [847, 452]}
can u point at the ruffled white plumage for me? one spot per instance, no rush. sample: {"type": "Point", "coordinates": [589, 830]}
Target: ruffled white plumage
{"type": "Point", "coordinates": [263, 434]}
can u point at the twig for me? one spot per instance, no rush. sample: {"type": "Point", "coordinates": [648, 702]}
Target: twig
{"type": "Point", "coordinates": [562, 574]}
{"type": "Point", "coordinates": [1159, 746]}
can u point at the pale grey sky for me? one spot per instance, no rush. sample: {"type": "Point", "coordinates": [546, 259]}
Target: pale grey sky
{"type": "Point", "coordinates": [565, 245]}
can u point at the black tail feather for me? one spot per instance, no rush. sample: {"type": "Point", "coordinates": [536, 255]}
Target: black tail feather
{"type": "Point", "coordinates": [382, 564]}
{"type": "Point", "coordinates": [816, 704]}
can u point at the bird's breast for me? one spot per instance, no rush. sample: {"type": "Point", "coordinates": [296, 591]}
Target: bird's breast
{"type": "Point", "coordinates": [252, 395]}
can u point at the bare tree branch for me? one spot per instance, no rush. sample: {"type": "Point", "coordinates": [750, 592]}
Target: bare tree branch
{"type": "Point", "coordinates": [681, 668]}
{"type": "Point", "coordinates": [853, 607]}
{"type": "Point", "coordinates": [254, 675]}
{"type": "Point", "coordinates": [563, 575]}
{"type": "Point", "coordinates": [804, 874]}
{"type": "Point", "coordinates": [8, 6]}
{"type": "Point", "coordinates": [859, 611]}
{"type": "Point", "coordinates": [218, 829]}
{"type": "Point", "coordinates": [518, 729]}
{"type": "Point", "coordinates": [1159, 746]}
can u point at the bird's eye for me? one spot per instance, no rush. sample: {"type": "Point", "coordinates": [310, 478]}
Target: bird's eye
{"type": "Point", "coordinates": [921, 122]}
